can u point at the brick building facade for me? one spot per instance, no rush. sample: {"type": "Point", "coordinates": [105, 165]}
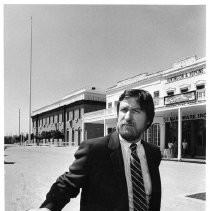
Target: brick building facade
{"type": "Point", "coordinates": [61, 122]}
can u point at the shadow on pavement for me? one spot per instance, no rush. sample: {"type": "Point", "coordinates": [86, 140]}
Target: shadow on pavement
{"type": "Point", "coordinates": [5, 162]}
{"type": "Point", "coordinates": [201, 196]}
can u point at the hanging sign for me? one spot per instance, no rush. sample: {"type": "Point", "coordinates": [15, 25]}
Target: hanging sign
{"type": "Point", "coordinates": [185, 97]}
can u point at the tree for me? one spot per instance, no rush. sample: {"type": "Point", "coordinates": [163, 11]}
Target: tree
{"type": "Point", "coordinates": [16, 139]}
{"type": "Point", "coordinates": [26, 137]}
{"type": "Point", "coordinates": [43, 135]}
{"type": "Point", "coordinates": [56, 134]}
{"type": "Point", "coordinates": [48, 135]}
{"type": "Point", "coordinates": [8, 140]}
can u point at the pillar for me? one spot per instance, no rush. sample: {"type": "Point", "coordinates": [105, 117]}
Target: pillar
{"type": "Point", "coordinates": [179, 133]}
{"type": "Point", "coordinates": [162, 136]}
{"type": "Point", "coordinates": [83, 131]}
{"type": "Point", "coordinates": [105, 132]}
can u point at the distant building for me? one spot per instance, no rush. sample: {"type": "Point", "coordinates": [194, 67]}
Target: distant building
{"type": "Point", "coordinates": [180, 107]}
{"type": "Point", "coordinates": [61, 122]}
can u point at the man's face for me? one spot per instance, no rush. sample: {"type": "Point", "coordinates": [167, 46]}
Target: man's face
{"type": "Point", "coordinates": [132, 121]}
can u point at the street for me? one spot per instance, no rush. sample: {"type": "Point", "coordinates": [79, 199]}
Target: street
{"type": "Point", "coordinates": [30, 171]}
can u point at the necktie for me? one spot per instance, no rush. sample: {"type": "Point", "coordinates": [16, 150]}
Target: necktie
{"type": "Point", "coordinates": [139, 195]}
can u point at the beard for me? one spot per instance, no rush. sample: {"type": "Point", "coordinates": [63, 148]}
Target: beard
{"type": "Point", "coordinates": [128, 131]}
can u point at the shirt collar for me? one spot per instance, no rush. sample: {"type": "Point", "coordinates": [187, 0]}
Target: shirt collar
{"type": "Point", "coordinates": [127, 144]}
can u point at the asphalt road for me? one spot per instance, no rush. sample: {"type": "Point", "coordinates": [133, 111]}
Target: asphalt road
{"type": "Point", "coordinates": [30, 171]}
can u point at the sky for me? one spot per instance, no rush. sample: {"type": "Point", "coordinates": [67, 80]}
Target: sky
{"type": "Point", "coordinates": [76, 46]}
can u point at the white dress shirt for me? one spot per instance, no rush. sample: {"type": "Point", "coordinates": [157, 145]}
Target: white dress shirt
{"type": "Point", "coordinates": [126, 152]}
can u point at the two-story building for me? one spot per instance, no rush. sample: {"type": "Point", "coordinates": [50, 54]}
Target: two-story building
{"type": "Point", "coordinates": [180, 107]}
{"type": "Point", "coordinates": [64, 117]}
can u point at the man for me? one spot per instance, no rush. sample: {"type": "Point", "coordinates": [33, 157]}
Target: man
{"type": "Point", "coordinates": [118, 172]}
{"type": "Point", "coordinates": [185, 147]}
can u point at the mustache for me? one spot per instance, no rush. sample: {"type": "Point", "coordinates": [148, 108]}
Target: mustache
{"type": "Point", "coordinates": [127, 124]}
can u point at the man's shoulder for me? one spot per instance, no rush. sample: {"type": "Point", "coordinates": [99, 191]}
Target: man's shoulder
{"type": "Point", "coordinates": [154, 150]}
{"type": "Point", "coordinates": [152, 147]}
{"type": "Point", "coordinates": [96, 146]}
{"type": "Point", "coordinates": [99, 141]}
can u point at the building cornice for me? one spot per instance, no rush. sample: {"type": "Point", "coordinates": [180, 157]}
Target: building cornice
{"type": "Point", "coordinates": [142, 83]}
{"type": "Point", "coordinates": [180, 66]}
{"type": "Point", "coordinates": [83, 94]}
{"type": "Point", "coordinates": [175, 71]}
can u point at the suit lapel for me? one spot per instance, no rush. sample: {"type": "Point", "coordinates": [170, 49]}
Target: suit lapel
{"type": "Point", "coordinates": [118, 164]}
{"type": "Point", "coordinates": [150, 162]}
{"type": "Point", "coordinates": [149, 155]}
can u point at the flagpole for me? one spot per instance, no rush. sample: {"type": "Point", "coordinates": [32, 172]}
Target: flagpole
{"type": "Point", "coordinates": [29, 134]}
{"type": "Point", "coordinates": [19, 123]}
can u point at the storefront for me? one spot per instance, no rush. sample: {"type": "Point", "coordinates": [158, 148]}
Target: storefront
{"type": "Point", "coordinates": [193, 134]}
{"type": "Point", "coordinates": [179, 126]}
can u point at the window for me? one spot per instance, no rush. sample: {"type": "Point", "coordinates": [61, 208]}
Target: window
{"type": "Point", "coordinates": [67, 136]}
{"type": "Point", "coordinates": [72, 139]}
{"type": "Point", "coordinates": [152, 135]}
{"type": "Point", "coordinates": [115, 103]}
{"type": "Point", "coordinates": [60, 118]}
{"type": "Point", "coordinates": [183, 90]}
{"type": "Point", "coordinates": [73, 114]}
{"type": "Point", "coordinates": [80, 112]}
{"type": "Point", "coordinates": [79, 137]}
{"type": "Point", "coordinates": [48, 120]}
{"type": "Point", "coordinates": [56, 119]}
{"type": "Point", "coordinates": [144, 137]}
{"type": "Point", "coordinates": [155, 133]}
{"type": "Point", "coordinates": [67, 116]}
{"type": "Point", "coordinates": [76, 114]}
{"type": "Point", "coordinates": [109, 105]}
{"type": "Point", "coordinates": [170, 93]}
{"type": "Point", "coordinates": [70, 115]}
{"type": "Point", "coordinates": [52, 119]}
{"type": "Point", "coordinates": [156, 94]}
{"type": "Point", "coordinates": [200, 86]}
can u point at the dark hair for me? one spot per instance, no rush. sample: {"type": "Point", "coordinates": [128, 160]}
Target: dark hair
{"type": "Point", "coordinates": [144, 99]}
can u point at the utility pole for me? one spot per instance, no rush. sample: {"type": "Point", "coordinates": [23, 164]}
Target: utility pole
{"type": "Point", "coordinates": [29, 134]}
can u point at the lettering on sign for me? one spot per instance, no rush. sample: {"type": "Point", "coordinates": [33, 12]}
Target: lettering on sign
{"type": "Point", "coordinates": [185, 117]}
{"type": "Point", "coordinates": [186, 75]}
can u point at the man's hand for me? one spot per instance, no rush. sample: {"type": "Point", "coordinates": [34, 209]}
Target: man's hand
{"type": "Point", "coordinates": [39, 209]}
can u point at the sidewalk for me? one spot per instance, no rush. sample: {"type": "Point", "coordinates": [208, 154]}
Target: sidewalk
{"type": "Point", "coordinates": [189, 160]}
{"type": "Point", "coordinates": [33, 170]}
{"type": "Point", "coordinates": [180, 179]}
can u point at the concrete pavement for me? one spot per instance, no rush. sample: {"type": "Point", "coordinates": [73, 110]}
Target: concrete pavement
{"type": "Point", "coordinates": [34, 169]}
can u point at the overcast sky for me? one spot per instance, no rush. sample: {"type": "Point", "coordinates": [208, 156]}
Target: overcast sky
{"type": "Point", "coordinates": [78, 45]}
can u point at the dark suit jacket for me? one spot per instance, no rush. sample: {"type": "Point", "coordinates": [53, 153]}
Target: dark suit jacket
{"type": "Point", "coordinates": [98, 170]}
